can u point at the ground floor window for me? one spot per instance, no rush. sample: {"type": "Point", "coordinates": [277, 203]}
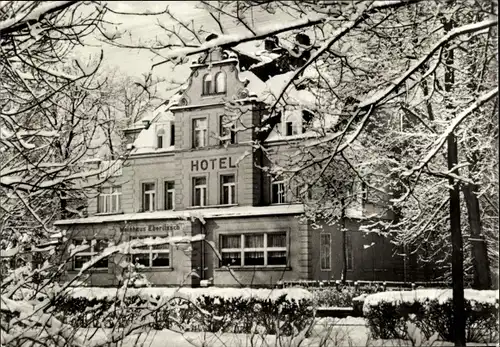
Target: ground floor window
{"type": "Point", "coordinates": [151, 256]}
{"type": "Point", "coordinates": [325, 252]}
{"type": "Point", "coordinates": [255, 249]}
{"type": "Point", "coordinates": [96, 246]}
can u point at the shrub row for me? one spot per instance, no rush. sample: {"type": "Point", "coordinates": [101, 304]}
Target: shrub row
{"type": "Point", "coordinates": [388, 317]}
{"type": "Point", "coordinates": [204, 313]}
{"type": "Point", "coordinates": [340, 295]}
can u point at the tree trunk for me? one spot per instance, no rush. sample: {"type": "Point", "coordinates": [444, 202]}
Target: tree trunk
{"type": "Point", "coordinates": [482, 279]}
{"type": "Point", "coordinates": [343, 277]}
{"type": "Point", "coordinates": [457, 271]}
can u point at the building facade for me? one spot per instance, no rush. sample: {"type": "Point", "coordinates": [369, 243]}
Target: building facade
{"type": "Point", "coordinates": [191, 173]}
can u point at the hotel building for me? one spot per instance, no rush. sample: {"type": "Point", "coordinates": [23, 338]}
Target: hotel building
{"type": "Point", "coordinates": [189, 174]}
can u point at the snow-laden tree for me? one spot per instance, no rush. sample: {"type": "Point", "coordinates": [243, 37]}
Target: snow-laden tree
{"type": "Point", "coordinates": [51, 122]}
{"type": "Point", "coordinates": [386, 83]}
{"type": "Point", "coordinates": [125, 100]}
{"type": "Point", "coordinates": [49, 116]}
{"type": "Point", "coordinates": [55, 116]}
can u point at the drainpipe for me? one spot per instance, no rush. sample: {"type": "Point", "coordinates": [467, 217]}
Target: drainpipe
{"type": "Point", "coordinates": [203, 231]}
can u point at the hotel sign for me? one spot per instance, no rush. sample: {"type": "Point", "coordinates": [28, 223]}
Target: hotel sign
{"type": "Point", "coordinates": [198, 165]}
{"type": "Point", "coordinates": [152, 227]}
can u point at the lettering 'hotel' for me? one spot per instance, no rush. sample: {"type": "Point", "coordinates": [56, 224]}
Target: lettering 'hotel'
{"type": "Point", "coordinates": [189, 173]}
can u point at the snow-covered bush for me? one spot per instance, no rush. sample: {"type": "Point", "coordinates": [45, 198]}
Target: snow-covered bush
{"type": "Point", "coordinates": [340, 296]}
{"type": "Point", "coordinates": [281, 314]}
{"type": "Point", "coordinates": [431, 310]}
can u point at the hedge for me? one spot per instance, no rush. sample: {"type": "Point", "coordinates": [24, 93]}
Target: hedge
{"type": "Point", "coordinates": [389, 313]}
{"type": "Point", "coordinates": [202, 313]}
{"type": "Point", "coordinates": [340, 295]}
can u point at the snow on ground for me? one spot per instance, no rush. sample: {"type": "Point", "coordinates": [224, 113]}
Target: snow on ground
{"type": "Point", "coordinates": [421, 295]}
{"type": "Point", "coordinates": [193, 293]}
{"type": "Point", "coordinates": [326, 332]}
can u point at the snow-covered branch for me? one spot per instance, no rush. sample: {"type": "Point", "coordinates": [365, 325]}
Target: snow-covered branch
{"type": "Point", "coordinates": [267, 31]}
{"type": "Point", "coordinates": [465, 29]}
{"type": "Point", "coordinates": [438, 144]}
{"type": "Point", "coordinates": [23, 19]}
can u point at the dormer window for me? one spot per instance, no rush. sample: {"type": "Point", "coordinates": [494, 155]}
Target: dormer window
{"type": "Point", "coordinates": [220, 82]}
{"type": "Point", "coordinates": [207, 84]}
{"type": "Point", "coordinates": [307, 118]}
{"type": "Point", "coordinates": [160, 138]}
{"type": "Point", "coordinates": [289, 131]}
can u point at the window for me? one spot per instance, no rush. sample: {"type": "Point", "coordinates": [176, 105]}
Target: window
{"type": "Point", "coordinates": [160, 135]}
{"type": "Point", "coordinates": [110, 168]}
{"type": "Point", "coordinates": [96, 246]}
{"type": "Point", "coordinates": [148, 196]}
{"type": "Point", "coordinates": [348, 241]}
{"type": "Point", "coordinates": [220, 82]}
{"type": "Point", "coordinates": [364, 192]}
{"type": "Point", "coordinates": [109, 200]}
{"type": "Point", "coordinates": [227, 130]}
{"type": "Point", "coordinates": [261, 249]}
{"type": "Point", "coordinates": [151, 256]}
{"type": "Point", "coordinates": [199, 191]}
{"type": "Point", "coordinates": [172, 134]}
{"type": "Point", "coordinates": [307, 118]}
{"type": "Point", "coordinates": [278, 192]}
{"type": "Point", "coordinates": [169, 195]}
{"type": "Point", "coordinates": [289, 128]}
{"type": "Point", "coordinates": [325, 252]}
{"type": "Point", "coordinates": [199, 132]}
{"type": "Point", "coordinates": [207, 84]}
{"type": "Point", "coordinates": [228, 190]}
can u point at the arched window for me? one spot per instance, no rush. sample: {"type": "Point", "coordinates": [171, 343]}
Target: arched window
{"type": "Point", "coordinates": [207, 84]}
{"type": "Point", "coordinates": [220, 82]}
{"type": "Point", "coordinates": [160, 135]}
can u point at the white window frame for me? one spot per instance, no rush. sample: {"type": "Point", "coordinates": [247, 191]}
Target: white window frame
{"type": "Point", "coordinates": [167, 193]}
{"type": "Point", "coordinates": [151, 251]}
{"type": "Point", "coordinates": [242, 249]}
{"type": "Point", "coordinates": [231, 187]}
{"type": "Point", "coordinates": [115, 193]}
{"type": "Point", "coordinates": [203, 130]}
{"type": "Point", "coordinates": [203, 191]}
{"type": "Point", "coordinates": [210, 90]}
{"type": "Point", "coordinates": [89, 253]}
{"type": "Point", "coordinates": [281, 192]}
{"type": "Point", "coordinates": [226, 130]}
{"type": "Point", "coordinates": [217, 81]}
{"type": "Point", "coordinates": [323, 254]}
{"type": "Point", "coordinates": [152, 197]}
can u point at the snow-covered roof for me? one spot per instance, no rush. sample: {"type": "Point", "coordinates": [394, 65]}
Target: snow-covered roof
{"type": "Point", "coordinates": [322, 122]}
{"type": "Point", "coordinates": [269, 91]}
{"type": "Point", "coordinates": [146, 140]}
{"type": "Point", "coordinates": [254, 84]}
{"type": "Point", "coordinates": [219, 212]}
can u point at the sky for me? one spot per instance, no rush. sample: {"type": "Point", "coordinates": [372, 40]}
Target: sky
{"type": "Point", "coordinates": [135, 63]}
